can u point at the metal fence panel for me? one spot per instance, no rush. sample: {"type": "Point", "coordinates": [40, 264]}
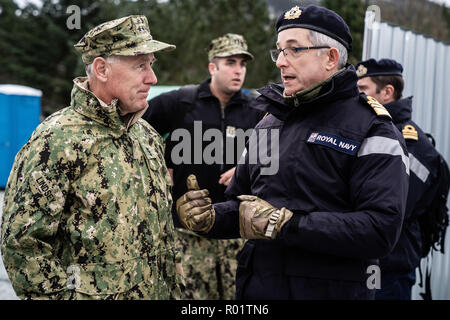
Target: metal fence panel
{"type": "Point", "coordinates": [426, 64]}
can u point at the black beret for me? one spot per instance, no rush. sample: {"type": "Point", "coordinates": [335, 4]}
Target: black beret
{"type": "Point", "coordinates": [382, 67]}
{"type": "Point", "coordinates": [318, 19]}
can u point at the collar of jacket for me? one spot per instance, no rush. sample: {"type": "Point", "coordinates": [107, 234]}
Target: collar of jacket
{"type": "Point", "coordinates": [309, 93]}
{"type": "Point", "coordinates": [400, 110]}
{"type": "Point", "coordinates": [88, 104]}
{"type": "Point", "coordinates": [340, 86]}
{"type": "Point", "coordinates": [204, 91]}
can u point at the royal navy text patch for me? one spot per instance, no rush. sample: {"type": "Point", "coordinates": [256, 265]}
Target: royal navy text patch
{"type": "Point", "coordinates": [337, 143]}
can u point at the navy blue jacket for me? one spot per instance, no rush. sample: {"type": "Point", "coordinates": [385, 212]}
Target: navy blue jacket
{"type": "Point", "coordinates": [343, 171]}
{"type": "Point", "coordinates": [424, 164]}
{"type": "Point", "coordinates": [179, 109]}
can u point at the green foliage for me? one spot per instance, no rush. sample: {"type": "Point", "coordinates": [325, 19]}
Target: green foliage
{"type": "Point", "coordinates": [424, 17]}
{"type": "Point", "coordinates": [36, 47]}
{"type": "Point", "coordinates": [353, 12]}
{"type": "Point", "coordinates": [446, 16]}
{"type": "Point", "coordinates": [197, 22]}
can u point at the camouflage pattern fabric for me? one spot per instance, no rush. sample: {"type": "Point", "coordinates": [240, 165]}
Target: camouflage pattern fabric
{"type": "Point", "coordinates": [209, 266]}
{"type": "Point", "coordinates": [127, 36]}
{"type": "Point", "coordinates": [87, 208]}
{"type": "Point", "coordinates": [228, 45]}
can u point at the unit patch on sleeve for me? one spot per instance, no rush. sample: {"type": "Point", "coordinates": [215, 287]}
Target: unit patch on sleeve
{"type": "Point", "coordinates": [335, 142]}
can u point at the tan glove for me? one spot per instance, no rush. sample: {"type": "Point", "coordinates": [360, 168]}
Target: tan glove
{"type": "Point", "coordinates": [194, 208]}
{"type": "Point", "coordinates": [258, 219]}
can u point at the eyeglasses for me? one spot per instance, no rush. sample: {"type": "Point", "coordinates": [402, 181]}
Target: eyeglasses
{"type": "Point", "coordinates": [293, 52]}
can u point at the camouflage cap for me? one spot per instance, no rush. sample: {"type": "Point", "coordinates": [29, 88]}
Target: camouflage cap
{"type": "Point", "coordinates": [127, 36]}
{"type": "Point", "coordinates": [228, 45]}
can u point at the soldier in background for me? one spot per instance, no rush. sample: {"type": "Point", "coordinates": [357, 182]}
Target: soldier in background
{"type": "Point", "coordinates": [383, 81]}
{"type": "Point", "coordinates": [217, 103]}
{"type": "Point", "coordinates": [87, 204]}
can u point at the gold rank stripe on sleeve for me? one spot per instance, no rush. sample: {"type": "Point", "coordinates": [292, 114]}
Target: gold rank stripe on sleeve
{"type": "Point", "coordinates": [379, 109]}
{"type": "Point", "coordinates": [409, 132]}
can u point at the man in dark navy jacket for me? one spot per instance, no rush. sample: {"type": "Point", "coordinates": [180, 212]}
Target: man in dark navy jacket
{"type": "Point", "coordinates": [217, 105]}
{"type": "Point", "coordinates": [383, 80]}
{"type": "Point", "coordinates": [319, 223]}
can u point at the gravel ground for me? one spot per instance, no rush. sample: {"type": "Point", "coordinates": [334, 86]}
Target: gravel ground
{"type": "Point", "coordinates": [6, 290]}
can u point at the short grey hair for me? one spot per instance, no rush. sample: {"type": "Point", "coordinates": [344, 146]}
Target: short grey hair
{"type": "Point", "coordinates": [109, 59]}
{"type": "Point", "coordinates": [320, 39]}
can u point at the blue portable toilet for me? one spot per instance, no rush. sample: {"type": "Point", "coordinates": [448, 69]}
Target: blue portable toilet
{"type": "Point", "coordinates": [20, 111]}
{"type": "Point", "coordinates": [157, 90]}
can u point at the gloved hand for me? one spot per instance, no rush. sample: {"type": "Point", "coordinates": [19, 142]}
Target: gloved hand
{"type": "Point", "coordinates": [258, 219]}
{"type": "Point", "coordinates": [194, 208]}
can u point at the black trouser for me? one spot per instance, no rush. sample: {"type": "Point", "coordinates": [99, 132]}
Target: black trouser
{"type": "Point", "coordinates": [396, 286]}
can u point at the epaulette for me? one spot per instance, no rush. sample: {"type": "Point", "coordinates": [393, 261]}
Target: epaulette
{"type": "Point", "coordinates": [379, 109]}
{"type": "Point", "coordinates": [409, 132]}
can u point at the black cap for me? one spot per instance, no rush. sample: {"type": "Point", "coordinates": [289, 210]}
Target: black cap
{"type": "Point", "coordinates": [318, 19]}
{"type": "Point", "coordinates": [382, 67]}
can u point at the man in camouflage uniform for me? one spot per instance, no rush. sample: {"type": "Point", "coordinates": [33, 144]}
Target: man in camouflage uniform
{"type": "Point", "coordinates": [87, 204]}
{"type": "Point", "coordinates": [218, 103]}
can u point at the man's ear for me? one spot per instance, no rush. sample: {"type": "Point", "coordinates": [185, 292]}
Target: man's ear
{"type": "Point", "coordinates": [212, 68]}
{"type": "Point", "coordinates": [388, 92]}
{"type": "Point", "coordinates": [100, 68]}
{"type": "Point", "coordinates": [333, 59]}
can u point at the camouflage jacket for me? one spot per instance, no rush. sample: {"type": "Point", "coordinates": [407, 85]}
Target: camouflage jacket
{"type": "Point", "coordinates": [87, 208]}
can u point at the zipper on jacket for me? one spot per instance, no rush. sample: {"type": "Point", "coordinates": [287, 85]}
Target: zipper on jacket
{"type": "Point", "coordinates": [222, 111]}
